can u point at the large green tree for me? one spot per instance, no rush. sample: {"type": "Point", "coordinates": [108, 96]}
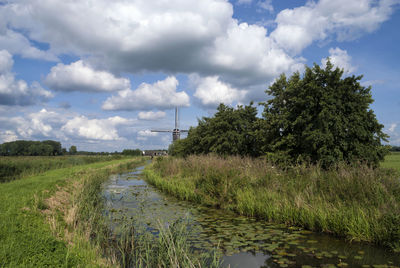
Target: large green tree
{"type": "Point", "coordinates": [322, 117]}
{"type": "Point", "coordinates": [229, 132]}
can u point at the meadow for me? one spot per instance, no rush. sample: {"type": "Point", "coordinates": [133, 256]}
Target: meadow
{"type": "Point", "coordinates": [355, 202]}
{"type": "Point", "coordinates": [392, 160]}
{"type": "Point", "coordinates": [15, 167]}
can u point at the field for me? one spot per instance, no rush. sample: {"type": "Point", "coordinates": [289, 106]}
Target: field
{"type": "Point", "coordinates": [12, 167]}
{"type": "Point", "coordinates": [357, 203]}
{"type": "Point", "coordinates": [392, 161]}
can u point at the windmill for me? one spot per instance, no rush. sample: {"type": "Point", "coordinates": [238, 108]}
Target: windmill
{"type": "Point", "coordinates": [176, 132]}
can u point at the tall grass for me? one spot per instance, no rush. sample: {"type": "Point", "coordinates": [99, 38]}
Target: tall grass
{"type": "Point", "coordinates": [355, 202]}
{"type": "Point", "coordinates": [15, 167]}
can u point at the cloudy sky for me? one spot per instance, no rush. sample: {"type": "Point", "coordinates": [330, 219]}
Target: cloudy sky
{"type": "Point", "coordinates": [101, 74]}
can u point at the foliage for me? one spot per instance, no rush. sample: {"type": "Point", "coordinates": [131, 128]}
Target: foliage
{"type": "Point", "coordinates": [136, 152]}
{"type": "Point", "coordinates": [31, 148]}
{"type": "Point", "coordinates": [322, 118]}
{"type": "Point", "coordinates": [229, 132]}
{"type": "Point", "coordinates": [73, 150]}
{"type": "Point", "coordinates": [356, 202]}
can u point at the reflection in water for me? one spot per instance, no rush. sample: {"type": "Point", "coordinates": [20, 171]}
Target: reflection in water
{"type": "Point", "coordinates": [245, 242]}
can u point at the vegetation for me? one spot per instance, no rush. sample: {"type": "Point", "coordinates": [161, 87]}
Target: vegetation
{"type": "Point", "coordinates": [136, 152]}
{"type": "Point", "coordinates": [319, 118]}
{"type": "Point", "coordinates": [392, 161]}
{"type": "Point", "coordinates": [56, 219]}
{"type": "Point", "coordinates": [229, 132]}
{"type": "Point", "coordinates": [12, 168]}
{"type": "Point", "coordinates": [25, 148]}
{"type": "Point", "coordinates": [26, 238]}
{"type": "Point", "coordinates": [356, 202]}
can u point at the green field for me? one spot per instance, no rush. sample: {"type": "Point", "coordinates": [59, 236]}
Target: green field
{"type": "Point", "coordinates": [392, 160]}
{"type": "Point", "coordinates": [29, 238]}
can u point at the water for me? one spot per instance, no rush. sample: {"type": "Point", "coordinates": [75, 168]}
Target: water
{"type": "Point", "coordinates": [245, 242]}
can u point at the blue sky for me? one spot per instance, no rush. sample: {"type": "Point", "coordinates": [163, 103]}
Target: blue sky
{"type": "Point", "coordinates": [101, 74]}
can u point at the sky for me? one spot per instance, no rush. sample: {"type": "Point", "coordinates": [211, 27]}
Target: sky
{"type": "Point", "coordinates": [102, 74]}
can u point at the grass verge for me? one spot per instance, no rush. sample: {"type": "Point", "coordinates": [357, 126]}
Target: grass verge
{"type": "Point", "coordinates": [33, 233]}
{"type": "Point", "coordinates": [356, 202]}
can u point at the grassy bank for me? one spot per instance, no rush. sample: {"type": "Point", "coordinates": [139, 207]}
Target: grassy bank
{"type": "Point", "coordinates": [33, 230]}
{"type": "Point", "coordinates": [357, 203]}
{"type": "Point", "coordinates": [15, 167]}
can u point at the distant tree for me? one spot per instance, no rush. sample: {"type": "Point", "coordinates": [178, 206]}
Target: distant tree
{"type": "Point", "coordinates": [55, 145]}
{"type": "Point", "coordinates": [322, 117]}
{"type": "Point", "coordinates": [136, 152]}
{"type": "Point", "coordinates": [229, 132]}
{"type": "Point", "coordinates": [72, 150]}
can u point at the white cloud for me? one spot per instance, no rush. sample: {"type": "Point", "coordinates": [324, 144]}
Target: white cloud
{"type": "Point", "coordinates": [339, 58]}
{"type": "Point", "coordinates": [151, 115]}
{"type": "Point", "coordinates": [160, 95]}
{"type": "Point", "coordinates": [94, 129]}
{"type": "Point", "coordinates": [79, 76]}
{"type": "Point", "coordinates": [266, 5]}
{"type": "Point", "coordinates": [7, 136]}
{"type": "Point", "coordinates": [211, 91]}
{"type": "Point", "coordinates": [392, 127]}
{"type": "Point", "coordinates": [316, 21]}
{"type": "Point", "coordinates": [188, 36]}
{"type": "Point", "coordinates": [16, 43]}
{"type": "Point", "coordinates": [18, 92]}
{"type": "Point", "coordinates": [147, 133]}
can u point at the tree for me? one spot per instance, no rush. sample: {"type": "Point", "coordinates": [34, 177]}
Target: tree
{"type": "Point", "coordinates": [322, 117]}
{"type": "Point", "coordinates": [230, 132]}
{"type": "Point", "coordinates": [72, 149]}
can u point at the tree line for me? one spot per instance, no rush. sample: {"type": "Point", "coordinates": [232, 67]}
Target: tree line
{"type": "Point", "coordinates": [318, 117]}
{"type": "Point", "coordinates": [51, 148]}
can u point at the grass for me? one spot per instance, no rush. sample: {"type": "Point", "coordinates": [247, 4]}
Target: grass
{"type": "Point", "coordinates": [16, 167]}
{"type": "Point", "coordinates": [357, 202]}
{"type": "Point", "coordinates": [392, 160]}
{"type": "Point", "coordinates": [28, 228]}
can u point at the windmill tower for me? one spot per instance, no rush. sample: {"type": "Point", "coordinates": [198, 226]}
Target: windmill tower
{"type": "Point", "coordinates": [176, 132]}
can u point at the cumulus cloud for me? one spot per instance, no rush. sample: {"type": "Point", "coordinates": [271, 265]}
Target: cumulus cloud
{"type": "Point", "coordinates": [16, 43]}
{"type": "Point", "coordinates": [18, 92]}
{"type": "Point", "coordinates": [94, 129]}
{"type": "Point", "coordinates": [211, 91]}
{"type": "Point", "coordinates": [188, 36]}
{"type": "Point", "coordinates": [162, 95]}
{"type": "Point", "coordinates": [79, 76]}
{"type": "Point", "coordinates": [341, 59]}
{"type": "Point", "coordinates": [7, 136]}
{"type": "Point", "coordinates": [36, 125]}
{"type": "Point", "coordinates": [151, 115]}
{"type": "Point", "coordinates": [316, 21]}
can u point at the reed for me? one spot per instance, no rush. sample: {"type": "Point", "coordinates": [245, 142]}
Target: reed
{"type": "Point", "coordinates": [355, 202]}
